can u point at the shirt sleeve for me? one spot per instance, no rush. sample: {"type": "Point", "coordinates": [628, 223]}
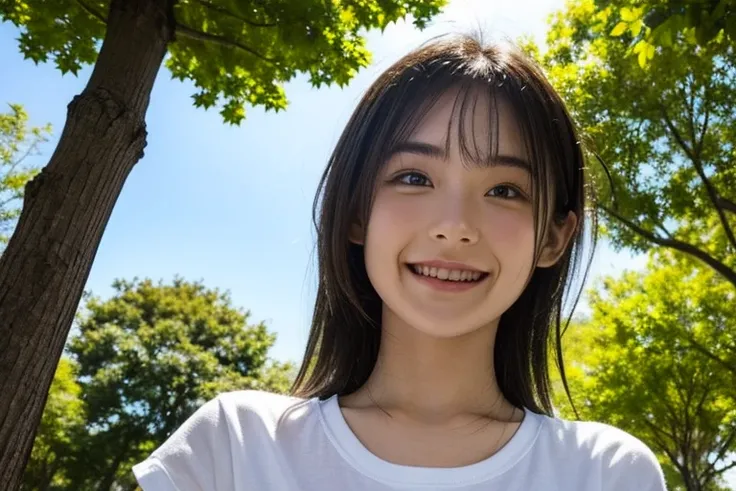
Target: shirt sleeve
{"type": "Point", "coordinates": [635, 467]}
{"type": "Point", "coordinates": [196, 457]}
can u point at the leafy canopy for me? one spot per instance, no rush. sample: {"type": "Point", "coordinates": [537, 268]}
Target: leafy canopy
{"type": "Point", "coordinates": [666, 131]}
{"type": "Point", "coordinates": [18, 141]}
{"type": "Point", "coordinates": [145, 360]}
{"type": "Point", "coordinates": [634, 364]}
{"type": "Point", "coordinates": [653, 23]}
{"type": "Point", "coordinates": [152, 354]}
{"type": "Point", "coordinates": [236, 52]}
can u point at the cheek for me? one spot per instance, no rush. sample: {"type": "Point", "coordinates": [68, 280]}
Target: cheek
{"type": "Point", "coordinates": [392, 213]}
{"type": "Point", "coordinates": [392, 223]}
{"type": "Point", "coordinates": [510, 229]}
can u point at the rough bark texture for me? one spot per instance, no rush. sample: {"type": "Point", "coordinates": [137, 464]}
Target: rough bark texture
{"type": "Point", "coordinates": [46, 264]}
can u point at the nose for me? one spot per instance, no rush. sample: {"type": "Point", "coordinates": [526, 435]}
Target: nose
{"type": "Point", "coordinates": [455, 228]}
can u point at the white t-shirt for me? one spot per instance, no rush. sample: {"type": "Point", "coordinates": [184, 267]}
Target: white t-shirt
{"type": "Point", "coordinates": [257, 441]}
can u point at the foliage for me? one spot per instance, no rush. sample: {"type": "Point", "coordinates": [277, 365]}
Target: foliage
{"type": "Point", "coordinates": [236, 52]}
{"type": "Point", "coordinates": [17, 142]}
{"type": "Point", "coordinates": [665, 131]}
{"type": "Point", "coordinates": [653, 23]}
{"type": "Point", "coordinates": [60, 433]}
{"type": "Point", "coordinates": [145, 360]}
{"type": "Point", "coordinates": [633, 365]}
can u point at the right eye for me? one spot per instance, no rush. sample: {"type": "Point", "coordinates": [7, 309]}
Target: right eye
{"type": "Point", "coordinates": [412, 178]}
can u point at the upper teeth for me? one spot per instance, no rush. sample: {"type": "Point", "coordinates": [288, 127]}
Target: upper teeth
{"type": "Point", "coordinates": [447, 274]}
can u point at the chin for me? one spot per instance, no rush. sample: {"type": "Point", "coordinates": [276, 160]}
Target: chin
{"type": "Point", "coordinates": [445, 327]}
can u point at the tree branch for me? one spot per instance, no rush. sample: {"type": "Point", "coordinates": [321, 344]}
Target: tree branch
{"type": "Point", "coordinates": [229, 13]}
{"type": "Point", "coordinates": [704, 351]}
{"type": "Point", "coordinates": [203, 36]}
{"type": "Point", "coordinates": [12, 198]}
{"type": "Point", "coordinates": [31, 150]}
{"type": "Point", "coordinates": [710, 189]}
{"type": "Point", "coordinates": [706, 109]}
{"type": "Point", "coordinates": [92, 12]}
{"type": "Point", "coordinates": [725, 468]}
{"type": "Point", "coordinates": [664, 230]}
{"type": "Point", "coordinates": [703, 438]}
{"type": "Point", "coordinates": [726, 204]}
{"type": "Point", "coordinates": [676, 133]}
{"type": "Point", "coordinates": [725, 447]}
{"type": "Point", "coordinates": [691, 108]}
{"type": "Point", "coordinates": [722, 269]}
{"type": "Point", "coordinates": [673, 458]}
{"type": "Point", "coordinates": [658, 432]}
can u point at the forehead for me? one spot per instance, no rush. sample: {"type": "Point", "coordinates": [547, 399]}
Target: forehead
{"type": "Point", "coordinates": [473, 120]}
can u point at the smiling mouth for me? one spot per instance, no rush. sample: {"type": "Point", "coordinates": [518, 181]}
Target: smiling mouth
{"type": "Point", "coordinates": [448, 275]}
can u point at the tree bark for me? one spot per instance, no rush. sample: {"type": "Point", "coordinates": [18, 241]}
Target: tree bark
{"type": "Point", "coordinates": [67, 206]}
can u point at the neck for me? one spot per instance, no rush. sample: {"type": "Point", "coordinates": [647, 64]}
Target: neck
{"type": "Point", "coordinates": [432, 379]}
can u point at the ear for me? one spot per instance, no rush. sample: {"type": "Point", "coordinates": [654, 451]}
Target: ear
{"type": "Point", "coordinates": [558, 237]}
{"type": "Point", "coordinates": [356, 235]}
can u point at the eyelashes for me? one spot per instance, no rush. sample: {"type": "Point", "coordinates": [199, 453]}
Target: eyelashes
{"type": "Point", "coordinates": [410, 178]}
{"type": "Point", "coordinates": [415, 178]}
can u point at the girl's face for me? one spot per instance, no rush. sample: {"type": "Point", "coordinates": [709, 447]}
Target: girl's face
{"type": "Point", "coordinates": [431, 209]}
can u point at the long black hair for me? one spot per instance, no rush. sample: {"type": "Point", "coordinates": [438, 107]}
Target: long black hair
{"type": "Point", "coordinates": [346, 327]}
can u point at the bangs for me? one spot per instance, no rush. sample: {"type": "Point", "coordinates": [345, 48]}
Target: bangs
{"type": "Point", "coordinates": [473, 103]}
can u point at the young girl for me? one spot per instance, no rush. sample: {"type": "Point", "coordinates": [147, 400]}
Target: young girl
{"type": "Point", "coordinates": [450, 223]}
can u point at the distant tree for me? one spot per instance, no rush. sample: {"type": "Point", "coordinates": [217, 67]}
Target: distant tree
{"type": "Point", "coordinates": [17, 143]}
{"type": "Point", "coordinates": [60, 434]}
{"type": "Point", "coordinates": [235, 52]}
{"type": "Point", "coordinates": [632, 364]}
{"type": "Point", "coordinates": [148, 358]}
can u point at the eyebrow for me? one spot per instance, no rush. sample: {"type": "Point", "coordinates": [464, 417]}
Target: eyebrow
{"type": "Point", "coordinates": [433, 151]}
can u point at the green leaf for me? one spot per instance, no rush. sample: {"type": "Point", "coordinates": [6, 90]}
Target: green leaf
{"type": "Point", "coordinates": [620, 28]}
{"type": "Point", "coordinates": [636, 27]}
{"type": "Point", "coordinates": [628, 14]}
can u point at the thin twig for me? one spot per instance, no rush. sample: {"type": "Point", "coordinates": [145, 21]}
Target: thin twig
{"type": "Point", "coordinates": [12, 198]}
{"type": "Point", "coordinates": [230, 13]}
{"type": "Point", "coordinates": [92, 11]}
{"type": "Point", "coordinates": [706, 110]}
{"type": "Point", "coordinates": [203, 36]}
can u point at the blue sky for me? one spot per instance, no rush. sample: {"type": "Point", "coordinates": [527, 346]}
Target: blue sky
{"type": "Point", "coordinates": [232, 205]}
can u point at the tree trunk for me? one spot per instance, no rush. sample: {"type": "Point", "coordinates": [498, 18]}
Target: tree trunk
{"type": "Point", "coordinates": [109, 477]}
{"type": "Point", "coordinates": [46, 264]}
{"type": "Point", "coordinates": [48, 476]}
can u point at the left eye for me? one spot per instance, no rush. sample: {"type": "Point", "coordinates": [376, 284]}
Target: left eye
{"type": "Point", "coordinates": [413, 179]}
{"type": "Point", "coordinates": [505, 190]}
